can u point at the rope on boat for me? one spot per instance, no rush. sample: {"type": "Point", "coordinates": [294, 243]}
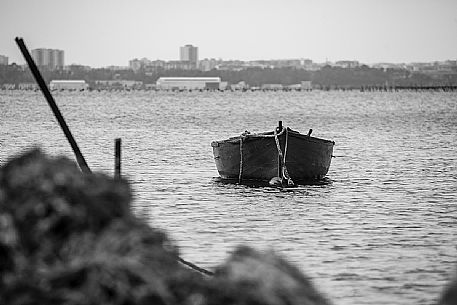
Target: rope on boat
{"type": "Point", "coordinates": [241, 159]}
{"type": "Point", "coordinates": [285, 173]}
{"type": "Point", "coordinates": [244, 135]}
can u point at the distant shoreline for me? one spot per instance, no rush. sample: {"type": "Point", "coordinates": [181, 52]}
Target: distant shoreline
{"type": "Point", "coordinates": [257, 89]}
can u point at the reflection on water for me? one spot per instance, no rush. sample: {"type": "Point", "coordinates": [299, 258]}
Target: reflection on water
{"type": "Point", "coordinates": [380, 228]}
{"type": "Point", "coordinates": [265, 184]}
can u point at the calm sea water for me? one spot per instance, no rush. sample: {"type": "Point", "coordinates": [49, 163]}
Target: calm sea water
{"type": "Point", "coordinates": [381, 231]}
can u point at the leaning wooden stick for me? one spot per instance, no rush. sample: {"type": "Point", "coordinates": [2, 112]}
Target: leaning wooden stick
{"type": "Point", "coordinates": [117, 159]}
{"type": "Point", "coordinates": [47, 94]}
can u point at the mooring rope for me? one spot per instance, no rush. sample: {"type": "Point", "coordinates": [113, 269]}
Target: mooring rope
{"type": "Point", "coordinates": [195, 267]}
{"type": "Point", "coordinates": [284, 172]}
{"type": "Point", "coordinates": [241, 158]}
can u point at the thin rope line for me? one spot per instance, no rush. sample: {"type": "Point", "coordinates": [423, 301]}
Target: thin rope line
{"type": "Point", "coordinates": [195, 267]}
{"type": "Point", "coordinates": [241, 160]}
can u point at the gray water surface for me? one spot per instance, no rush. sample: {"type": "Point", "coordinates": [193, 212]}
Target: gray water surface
{"type": "Point", "coordinates": [382, 230]}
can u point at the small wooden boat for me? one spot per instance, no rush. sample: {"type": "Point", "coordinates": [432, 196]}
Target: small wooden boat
{"type": "Point", "coordinates": [281, 155]}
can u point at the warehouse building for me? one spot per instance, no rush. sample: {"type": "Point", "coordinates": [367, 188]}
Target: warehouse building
{"type": "Point", "coordinates": [188, 83]}
{"type": "Point", "coordinates": [68, 85]}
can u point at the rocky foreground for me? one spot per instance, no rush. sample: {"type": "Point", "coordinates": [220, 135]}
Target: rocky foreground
{"type": "Point", "coordinates": [71, 238]}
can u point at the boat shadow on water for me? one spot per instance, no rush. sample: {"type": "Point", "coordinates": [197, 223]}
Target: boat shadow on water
{"type": "Point", "coordinates": [299, 185]}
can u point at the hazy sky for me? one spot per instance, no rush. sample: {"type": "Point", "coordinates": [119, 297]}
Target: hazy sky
{"type": "Point", "coordinates": [112, 32]}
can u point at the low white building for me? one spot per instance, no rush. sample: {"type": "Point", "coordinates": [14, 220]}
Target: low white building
{"type": "Point", "coordinates": [272, 87]}
{"type": "Point", "coordinates": [294, 87]}
{"type": "Point", "coordinates": [118, 83]}
{"type": "Point", "coordinates": [68, 85]}
{"type": "Point", "coordinates": [188, 83]}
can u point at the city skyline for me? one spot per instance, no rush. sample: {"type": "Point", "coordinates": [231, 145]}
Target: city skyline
{"type": "Point", "coordinates": [102, 33]}
{"type": "Point", "coordinates": [51, 58]}
{"type": "Point", "coordinates": [189, 53]}
{"type": "Point", "coordinates": [188, 59]}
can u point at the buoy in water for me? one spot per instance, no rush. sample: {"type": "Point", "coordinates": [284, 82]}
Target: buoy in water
{"type": "Point", "coordinates": [275, 181]}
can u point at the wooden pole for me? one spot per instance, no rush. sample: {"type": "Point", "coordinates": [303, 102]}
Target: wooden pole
{"type": "Point", "coordinates": [117, 159]}
{"type": "Point", "coordinates": [44, 88]}
{"type": "Point", "coordinates": [279, 156]}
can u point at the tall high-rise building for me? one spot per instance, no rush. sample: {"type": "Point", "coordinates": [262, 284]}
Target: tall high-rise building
{"type": "Point", "coordinates": [189, 53]}
{"type": "Point", "coordinates": [51, 58]}
{"type": "Point", "coordinates": [3, 60]}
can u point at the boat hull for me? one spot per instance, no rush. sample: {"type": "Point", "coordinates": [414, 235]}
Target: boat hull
{"type": "Point", "coordinates": [307, 158]}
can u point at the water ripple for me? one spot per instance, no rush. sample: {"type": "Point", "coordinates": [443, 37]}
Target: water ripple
{"type": "Point", "coordinates": [380, 230]}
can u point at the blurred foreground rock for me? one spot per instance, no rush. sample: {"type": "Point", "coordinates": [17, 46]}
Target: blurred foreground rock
{"type": "Point", "coordinates": [251, 277]}
{"type": "Point", "coordinates": [449, 296]}
{"type": "Point", "coordinates": [71, 238]}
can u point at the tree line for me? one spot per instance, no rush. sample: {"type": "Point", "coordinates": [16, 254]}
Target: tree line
{"type": "Point", "coordinates": [326, 77]}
